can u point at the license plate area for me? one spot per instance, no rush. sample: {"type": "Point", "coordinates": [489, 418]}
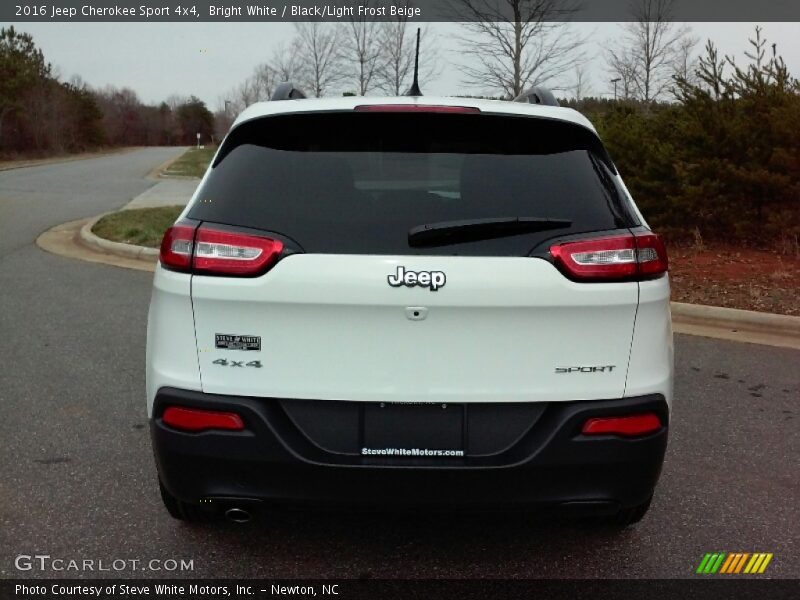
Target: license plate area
{"type": "Point", "coordinates": [410, 430]}
{"type": "Point", "coordinates": [475, 430]}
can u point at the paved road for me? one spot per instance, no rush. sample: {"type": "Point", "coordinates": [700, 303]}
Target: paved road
{"type": "Point", "coordinates": [77, 478]}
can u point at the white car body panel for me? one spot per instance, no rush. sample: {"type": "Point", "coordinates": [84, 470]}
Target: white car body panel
{"type": "Point", "coordinates": [332, 328]}
{"type": "Point", "coordinates": [171, 352]}
{"type": "Point", "coordinates": [652, 363]}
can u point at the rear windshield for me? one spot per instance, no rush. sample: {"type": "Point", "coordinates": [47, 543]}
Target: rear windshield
{"type": "Point", "coordinates": [357, 182]}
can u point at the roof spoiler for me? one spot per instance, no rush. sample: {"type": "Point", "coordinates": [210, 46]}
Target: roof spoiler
{"type": "Point", "coordinates": [537, 95]}
{"type": "Point", "coordinates": [286, 91]}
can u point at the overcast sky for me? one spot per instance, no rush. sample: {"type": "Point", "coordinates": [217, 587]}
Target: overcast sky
{"type": "Point", "coordinates": [209, 59]}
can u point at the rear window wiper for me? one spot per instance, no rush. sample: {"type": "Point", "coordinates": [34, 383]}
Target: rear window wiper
{"type": "Point", "coordinates": [474, 230]}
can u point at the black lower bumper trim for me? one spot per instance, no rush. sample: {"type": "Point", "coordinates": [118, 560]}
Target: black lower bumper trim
{"type": "Point", "coordinates": [274, 460]}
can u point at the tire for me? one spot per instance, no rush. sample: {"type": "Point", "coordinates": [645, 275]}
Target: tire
{"type": "Point", "coordinates": [183, 511]}
{"type": "Point", "coordinates": [631, 515]}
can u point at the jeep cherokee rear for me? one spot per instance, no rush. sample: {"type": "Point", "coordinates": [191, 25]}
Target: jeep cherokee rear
{"type": "Point", "coordinates": [410, 301]}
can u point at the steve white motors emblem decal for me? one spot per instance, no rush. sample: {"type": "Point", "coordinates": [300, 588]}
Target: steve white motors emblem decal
{"type": "Point", "coordinates": [225, 341]}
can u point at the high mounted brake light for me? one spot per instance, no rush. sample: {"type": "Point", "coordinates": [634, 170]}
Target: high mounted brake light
{"type": "Point", "coordinates": [209, 251]}
{"type": "Point", "coordinates": [619, 258]}
{"type": "Point", "coordinates": [426, 108]}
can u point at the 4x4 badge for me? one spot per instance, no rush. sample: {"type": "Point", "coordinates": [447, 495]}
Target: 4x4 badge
{"type": "Point", "coordinates": [429, 279]}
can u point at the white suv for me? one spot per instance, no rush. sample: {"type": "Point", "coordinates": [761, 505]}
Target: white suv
{"type": "Point", "coordinates": [410, 300]}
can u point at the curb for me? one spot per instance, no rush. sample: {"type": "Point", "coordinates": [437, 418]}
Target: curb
{"type": "Point", "coordinates": [718, 316]}
{"type": "Point", "coordinates": [162, 177]}
{"type": "Point", "coordinates": [125, 250]}
{"type": "Point", "coordinates": [156, 173]}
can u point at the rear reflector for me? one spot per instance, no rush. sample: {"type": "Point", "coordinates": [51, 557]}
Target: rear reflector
{"type": "Point", "coordinates": [428, 108]}
{"type": "Point", "coordinates": [625, 426]}
{"type": "Point", "coordinates": [209, 251]}
{"type": "Point", "coordinates": [624, 257]}
{"type": "Point", "coordinates": [191, 419]}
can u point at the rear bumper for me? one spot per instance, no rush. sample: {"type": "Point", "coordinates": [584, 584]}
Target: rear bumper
{"type": "Point", "coordinates": [273, 460]}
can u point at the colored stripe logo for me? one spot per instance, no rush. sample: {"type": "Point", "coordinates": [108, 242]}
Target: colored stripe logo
{"type": "Point", "coordinates": [733, 563]}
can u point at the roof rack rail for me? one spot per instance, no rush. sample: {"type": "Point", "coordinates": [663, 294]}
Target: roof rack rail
{"type": "Point", "coordinates": [538, 95]}
{"type": "Point", "coordinates": [287, 91]}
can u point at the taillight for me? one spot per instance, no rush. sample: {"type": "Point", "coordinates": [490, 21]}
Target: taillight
{"type": "Point", "coordinates": [623, 257]}
{"type": "Point", "coordinates": [634, 425]}
{"type": "Point", "coordinates": [176, 248]}
{"type": "Point", "coordinates": [229, 253]}
{"type": "Point", "coordinates": [194, 420]}
{"type": "Point", "coordinates": [209, 251]}
{"type": "Point", "coordinates": [652, 255]}
{"type": "Point", "coordinates": [429, 108]}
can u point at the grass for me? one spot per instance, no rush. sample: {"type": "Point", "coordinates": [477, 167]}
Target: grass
{"type": "Point", "coordinates": [193, 163]}
{"type": "Point", "coordinates": [139, 226]}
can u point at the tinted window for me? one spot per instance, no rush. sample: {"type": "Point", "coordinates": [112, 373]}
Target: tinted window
{"type": "Point", "coordinates": [357, 182]}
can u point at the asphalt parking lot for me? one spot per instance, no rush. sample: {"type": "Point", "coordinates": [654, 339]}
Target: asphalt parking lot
{"type": "Point", "coordinates": [78, 480]}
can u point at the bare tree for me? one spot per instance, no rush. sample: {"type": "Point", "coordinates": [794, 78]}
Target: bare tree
{"type": "Point", "coordinates": [256, 88]}
{"type": "Point", "coordinates": [624, 68]}
{"type": "Point", "coordinates": [685, 63]}
{"type": "Point", "coordinates": [319, 54]}
{"type": "Point", "coordinates": [245, 94]}
{"type": "Point", "coordinates": [399, 60]}
{"type": "Point", "coordinates": [650, 48]}
{"type": "Point", "coordinates": [361, 51]}
{"type": "Point", "coordinates": [283, 65]}
{"type": "Point", "coordinates": [263, 80]}
{"type": "Point", "coordinates": [581, 85]}
{"type": "Point", "coordinates": [514, 44]}
{"type": "Point", "coordinates": [173, 101]}
{"type": "Point", "coordinates": [285, 60]}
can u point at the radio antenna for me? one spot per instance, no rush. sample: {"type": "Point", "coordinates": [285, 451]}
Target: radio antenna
{"type": "Point", "coordinates": [414, 89]}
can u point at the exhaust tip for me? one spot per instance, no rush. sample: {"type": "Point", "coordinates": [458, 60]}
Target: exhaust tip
{"type": "Point", "coordinates": [238, 515]}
